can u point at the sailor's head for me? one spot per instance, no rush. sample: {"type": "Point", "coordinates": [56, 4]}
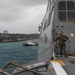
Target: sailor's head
{"type": "Point", "coordinates": [61, 32]}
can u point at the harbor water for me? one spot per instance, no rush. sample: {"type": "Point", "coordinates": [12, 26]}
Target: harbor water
{"type": "Point", "coordinates": [16, 52]}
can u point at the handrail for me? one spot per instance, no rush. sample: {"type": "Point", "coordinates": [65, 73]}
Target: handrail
{"type": "Point", "coordinates": [45, 50]}
{"type": "Point", "coordinates": [52, 45]}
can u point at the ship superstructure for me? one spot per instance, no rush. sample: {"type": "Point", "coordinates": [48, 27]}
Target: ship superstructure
{"type": "Point", "coordinates": [60, 16]}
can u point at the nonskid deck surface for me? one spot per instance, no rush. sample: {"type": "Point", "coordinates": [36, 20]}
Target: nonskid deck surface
{"type": "Point", "coordinates": [69, 66]}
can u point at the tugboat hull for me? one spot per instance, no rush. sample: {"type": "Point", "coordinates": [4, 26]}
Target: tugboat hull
{"type": "Point", "coordinates": [30, 45]}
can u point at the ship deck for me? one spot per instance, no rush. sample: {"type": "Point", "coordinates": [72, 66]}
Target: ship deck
{"type": "Point", "coordinates": [69, 66]}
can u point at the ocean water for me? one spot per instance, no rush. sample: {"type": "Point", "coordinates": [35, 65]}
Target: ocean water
{"type": "Point", "coordinates": [16, 52]}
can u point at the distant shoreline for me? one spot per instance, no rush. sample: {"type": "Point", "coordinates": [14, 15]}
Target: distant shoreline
{"type": "Point", "coordinates": [17, 37]}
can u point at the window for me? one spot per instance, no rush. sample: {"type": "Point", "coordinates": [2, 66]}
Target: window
{"type": "Point", "coordinates": [49, 18]}
{"type": "Point", "coordinates": [62, 16]}
{"type": "Point", "coordinates": [70, 5]}
{"type": "Point", "coordinates": [66, 11]}
{"type": "Point", "coordinates": [62, 5]}
{"type": "Point", "coordinates": [71, 16]}
{"type": "Point", "coordinates": [45, 24]}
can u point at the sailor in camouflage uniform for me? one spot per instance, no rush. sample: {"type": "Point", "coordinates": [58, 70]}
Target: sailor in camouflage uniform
{"type": "Point", "coordinates": [62, 38]}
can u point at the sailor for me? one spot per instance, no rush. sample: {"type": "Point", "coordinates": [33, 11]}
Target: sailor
{"type": "Point", "coordinates": [62, 39]}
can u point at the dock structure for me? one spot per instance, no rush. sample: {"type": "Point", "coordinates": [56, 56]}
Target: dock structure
{"type": "Point", "coordinates": [4, 72]}
{"type": "Point", "coordinates": [11, 63]}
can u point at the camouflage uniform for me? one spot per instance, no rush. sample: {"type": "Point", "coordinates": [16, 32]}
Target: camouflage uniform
{"type": "Point", "coordinates": [62, 45]}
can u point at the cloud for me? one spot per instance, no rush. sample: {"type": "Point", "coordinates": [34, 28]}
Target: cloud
{"type": "Point", "coordinates": [21, 16]}
{"type": "Point", "coordinates": [31, 2]}
{"type": "Point", "coordinates": [9, 11]}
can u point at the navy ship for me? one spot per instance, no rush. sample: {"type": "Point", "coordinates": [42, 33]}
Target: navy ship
{"type": "Point", "coordinates": [60, 16]}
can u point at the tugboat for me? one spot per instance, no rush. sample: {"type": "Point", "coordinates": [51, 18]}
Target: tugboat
{"type": "Point", "coordinates": [30, 43]}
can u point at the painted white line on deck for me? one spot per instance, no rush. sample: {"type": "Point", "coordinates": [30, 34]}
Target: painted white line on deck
{"type": "Point", "coordinates": [58, 69]}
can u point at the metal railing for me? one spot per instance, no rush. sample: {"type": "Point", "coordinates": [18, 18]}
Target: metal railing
{"type": "Point", "coordinates": [53, 52]}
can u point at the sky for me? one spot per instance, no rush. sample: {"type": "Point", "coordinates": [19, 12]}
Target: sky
{"type": "Point", "coordinates": [21, 16]}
